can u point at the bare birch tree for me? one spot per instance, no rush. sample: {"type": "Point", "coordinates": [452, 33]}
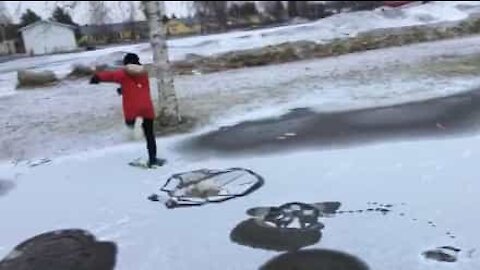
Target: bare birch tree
{"type": "Point", "coordinates": [168, 111]}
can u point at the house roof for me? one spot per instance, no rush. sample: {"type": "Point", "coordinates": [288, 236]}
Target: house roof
{"type": "Point", "coordinates": [47, 22]}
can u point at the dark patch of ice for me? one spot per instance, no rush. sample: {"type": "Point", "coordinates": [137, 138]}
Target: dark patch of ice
{"type": "Point", "coordinates": [455, 114]}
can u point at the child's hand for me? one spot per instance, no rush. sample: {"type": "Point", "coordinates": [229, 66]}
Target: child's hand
{"type": "Point", "coordinates": [94, 80]}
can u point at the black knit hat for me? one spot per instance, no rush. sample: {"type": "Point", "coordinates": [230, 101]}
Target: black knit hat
{"type": "Point", "coordinates": [131, 58]}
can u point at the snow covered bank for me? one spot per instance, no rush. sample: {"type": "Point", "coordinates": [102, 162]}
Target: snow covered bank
{"type": "Point", "coordinates": [324, 30]}
{"type": "Point", "coordinates": [338, 26]}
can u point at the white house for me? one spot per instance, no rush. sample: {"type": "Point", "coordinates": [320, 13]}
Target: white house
{"type": "Point", "coordinates": [45, 37]}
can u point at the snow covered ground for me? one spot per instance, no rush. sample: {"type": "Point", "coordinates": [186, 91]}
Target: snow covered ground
{"type": "Point", "coordinates": [337, 26]}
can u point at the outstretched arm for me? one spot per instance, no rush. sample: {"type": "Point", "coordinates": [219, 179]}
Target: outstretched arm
{"type": "Point", "coordinates": [108, 76]}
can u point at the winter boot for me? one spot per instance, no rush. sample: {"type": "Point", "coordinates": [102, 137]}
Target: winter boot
{"type": "Point", "coordinates": [157, 162]}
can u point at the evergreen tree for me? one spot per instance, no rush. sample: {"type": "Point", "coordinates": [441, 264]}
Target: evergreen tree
{"type": "Point", "coordinates": [29, 17]}
{"type": "Point", "coordinates": [61, 16]}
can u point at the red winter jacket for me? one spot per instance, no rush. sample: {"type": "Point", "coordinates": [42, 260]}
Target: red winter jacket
{"type": "Point", "coordinates": [137, 101]}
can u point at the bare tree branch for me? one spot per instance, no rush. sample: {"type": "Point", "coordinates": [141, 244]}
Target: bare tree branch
{"type": "Point", "coordinates": [98, 12]}
{"type": "Point", "coordinates": [5, 17]}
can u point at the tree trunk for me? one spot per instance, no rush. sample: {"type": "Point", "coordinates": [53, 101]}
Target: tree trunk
{"type": "Point", "coordinates": [167, 111]}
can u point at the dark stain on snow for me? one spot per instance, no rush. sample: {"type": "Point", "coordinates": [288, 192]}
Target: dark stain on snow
{"type": "Point", "coordinates": [255, 234]}
{"type": "Point", "coordinates": [445, 116]}
{"type": "Point", "coordinates": [315, 259]}
{"type": "Point", "coordinates": [60, 250]}
{"type": "Point", "coordinates": [442, 254]}
{"type": "Point", "coordinates": [5, 186]}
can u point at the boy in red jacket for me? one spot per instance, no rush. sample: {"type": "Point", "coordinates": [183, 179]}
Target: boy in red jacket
{"type": "Point", "coordinates": [137, 102]}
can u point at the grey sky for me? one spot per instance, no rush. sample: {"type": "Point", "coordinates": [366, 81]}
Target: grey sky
{"type": "Point", "coordinates": [80, 14]}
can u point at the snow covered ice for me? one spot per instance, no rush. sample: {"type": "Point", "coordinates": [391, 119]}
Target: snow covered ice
{"type": "Point", "coordinates": [92, 191]}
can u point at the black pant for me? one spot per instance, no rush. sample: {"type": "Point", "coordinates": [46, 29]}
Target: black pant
{"type": "Point", "coordinates": [147, 126]}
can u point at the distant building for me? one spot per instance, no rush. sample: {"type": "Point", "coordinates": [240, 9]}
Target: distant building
{"type": "Point", "coordinates": [46, 37]}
